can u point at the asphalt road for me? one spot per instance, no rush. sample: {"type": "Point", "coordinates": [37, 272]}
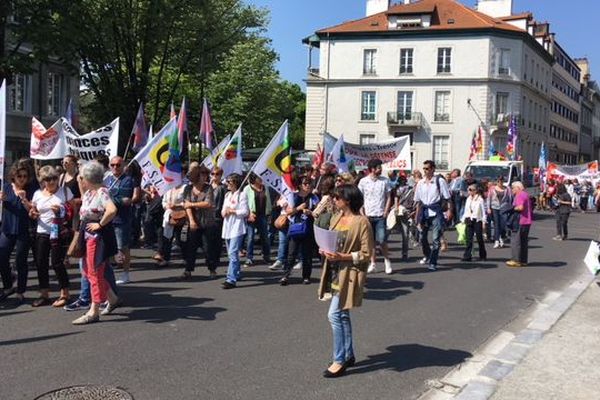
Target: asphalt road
{"type": "Point", "coordinates": [193, 340]}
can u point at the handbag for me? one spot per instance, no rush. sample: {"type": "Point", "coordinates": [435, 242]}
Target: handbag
{"type": "Point", "coordinates": [177, 218]}
{"type": "Point", "coordinates": [298, 230]}
{"type": "Point", "coordinates": [281, 222]}
{"type": "Point", "coordinates": [75, 249]}
{"type": "Point", "coordinates": [461, 230]}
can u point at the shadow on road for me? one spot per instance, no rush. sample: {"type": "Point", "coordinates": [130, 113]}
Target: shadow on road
{"type": "Point", "coordinates": [152, 306]}
{"type": "Point", "coordinates": [389, 289]}
{"type": "Point", "coordinates": [409, 356]}
{"type": "Point", "coordinates": [36, 339]}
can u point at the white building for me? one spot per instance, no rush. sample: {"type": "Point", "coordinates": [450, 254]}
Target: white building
{"type": "Point", "coordinates": [414, 68]}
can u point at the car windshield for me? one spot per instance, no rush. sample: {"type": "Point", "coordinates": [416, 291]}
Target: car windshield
{"type": "Point", "coordinates": [490, 172]}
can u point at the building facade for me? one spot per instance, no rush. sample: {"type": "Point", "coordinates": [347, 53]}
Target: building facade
{"type": "Point", "coordinates": [44, 94]}
{"type": "Point", "coordinates": [434, 70]}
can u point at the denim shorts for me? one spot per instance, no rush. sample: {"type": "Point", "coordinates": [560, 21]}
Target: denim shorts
{"type": "Point", "coordinates": [123, 235]}
{"type": "Point", "coordinates": [379, 229]}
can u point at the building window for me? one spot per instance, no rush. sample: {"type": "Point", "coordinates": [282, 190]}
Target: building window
{"type": "Point", "coordinates": [442, 106]}
{"type": "Point", "coordinates": [444, 60]}
{"type": "Point", "coordinates": [369, 106]}
{"type": "Point", "coordinates": [406, 61]}
{"type": "Point", "coordinates": [55, 93]}
{"type": "Point", "coordinates": [18, 93]}
{"type": "Point", "coordinates": [504, 62]}
{"type": "Point", "coordinates": [369, 59]}
{"type": "Point", "coordinates": [525, 68]}
{"type": "Point", "coordinates": [405, 105]}
{"type": "Point", "coordinates": [441, 153]}
{"type": "Point", "coordinates": [501, 104]}
{"type": "Point", "coordinates": [366, 138]}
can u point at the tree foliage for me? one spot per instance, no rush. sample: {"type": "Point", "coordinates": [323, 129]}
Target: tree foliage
{"type": "Point", "coordinates": [247, 89]}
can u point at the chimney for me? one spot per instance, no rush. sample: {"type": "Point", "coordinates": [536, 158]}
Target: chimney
{"type": "Point", "coordinates": [377, 6]}
{"type": "Point", "coordinates": [495, 8]}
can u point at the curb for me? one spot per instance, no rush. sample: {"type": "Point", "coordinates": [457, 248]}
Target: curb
{"type": "Point", "coordinates": [503, 361]}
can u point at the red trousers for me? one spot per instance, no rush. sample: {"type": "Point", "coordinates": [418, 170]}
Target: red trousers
{"type": "Point", "coordinates": [95, 273]}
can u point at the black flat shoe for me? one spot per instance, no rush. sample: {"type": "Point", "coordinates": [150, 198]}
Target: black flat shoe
{"type": "Point", "coordinates": [283, 282]}
{"type": "Point", "coordinates": [8, 292]}
{"type": "Point", "coordinates": [464, 259]}
{"type": "Point", "coordinates": [340, 372]}
{"type": "Point", "coordinates": [350, 362]}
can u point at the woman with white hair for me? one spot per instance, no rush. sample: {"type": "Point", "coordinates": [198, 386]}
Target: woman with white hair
{"type": "Point", "coordinates": [97, 240]}
{"type": "Point", "coordinates": [50, 207]}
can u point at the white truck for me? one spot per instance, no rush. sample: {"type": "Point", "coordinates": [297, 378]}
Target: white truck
{"type": "Point", "coordinates": [511, 171]}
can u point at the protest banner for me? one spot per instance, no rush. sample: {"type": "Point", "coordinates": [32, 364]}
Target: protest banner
{"type": "Point", "coordinates": [61, 139]}
{"type": "Point", "coordinates": [395, 153]}
{"type": "Point", "coordinates": [581, 172]}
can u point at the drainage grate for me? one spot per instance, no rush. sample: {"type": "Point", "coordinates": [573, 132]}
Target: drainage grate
{"type": "Point", "coordinates": [87, 392]}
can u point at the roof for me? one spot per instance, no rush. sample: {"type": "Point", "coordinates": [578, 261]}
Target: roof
{"type": "Point", "coordinates": [446, 15]}
{"type": "Point", "coordinates": [525, 15]}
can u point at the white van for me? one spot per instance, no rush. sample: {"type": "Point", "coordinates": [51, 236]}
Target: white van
{"type": "Point", "coordinates": [511, 171]}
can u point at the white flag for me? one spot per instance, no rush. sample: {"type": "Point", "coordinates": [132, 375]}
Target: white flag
{"type": "Point", "coordinates": [230, 160]}
{"type": "Point", "coordinates": [338, 155]}
{"type": "Point", "coordinates": [153, 157]}
{"type": "Point", "coordinates": [208, 161]}
{"type": "Point", "coordinates": [274, 165]}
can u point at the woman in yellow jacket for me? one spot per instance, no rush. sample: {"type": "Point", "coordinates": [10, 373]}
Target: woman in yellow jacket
{"type": "Point", "coordinates": [345, 272]}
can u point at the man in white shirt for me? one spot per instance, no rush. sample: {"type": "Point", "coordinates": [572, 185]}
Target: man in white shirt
{"type": "Point", "coordinates": [376, 191]}
{"type": "Point", "coordinates": [432, 197]}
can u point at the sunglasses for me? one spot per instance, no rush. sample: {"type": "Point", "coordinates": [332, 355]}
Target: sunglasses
{"type": "Point", "coordinates": [214, 174]}
{"type": "Point", "coordinates": [115, 165]}
{"type": "Point", "coordinates": [471, 190]}
{"type": "Point", "coordinates": [51, 179]}
{"type": "Point", "coordinates": [426, 169]}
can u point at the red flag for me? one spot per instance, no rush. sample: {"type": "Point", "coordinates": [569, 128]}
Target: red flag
{"type": "Point", "coordinates": [207, 130]}
{"type": "Point", "coordinates": [318, 158]}
{"type": "Point", "coordinates": [473, 154]}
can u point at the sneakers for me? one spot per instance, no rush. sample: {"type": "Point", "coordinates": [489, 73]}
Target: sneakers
{"type": "Point", "coordinates": [277, 265]}
{"type": "Point", "coordinates": [501, 242]}
{"type": "Point", "coordinates": [388, 266]}
{"type": "Point", "coordinates": [557, 237]}
{"type": "Point", "coordinates": [124, 279]}
{"type": "Point", "coordinates": [228, 285]}
{"type": "Point", "coordinates": [424, 261]}
{"type": "Point", "coordinates": [497, 244]}
{"type": "Point", "coordinates": [107, 308]}
{"type": "Point", "coordinates": [298, 265]}
{"type": "Point", "coordinates": [77, 305]}
{"type": "Point", "coordinates": [372, 269]}
{"type": "Point", "coordinates": [248, 263]}
{"type": "Point", "coordinates": [432, 267]}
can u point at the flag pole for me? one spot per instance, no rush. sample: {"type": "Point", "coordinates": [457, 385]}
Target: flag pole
{"type": "Point", "coordinates": [127, 147]}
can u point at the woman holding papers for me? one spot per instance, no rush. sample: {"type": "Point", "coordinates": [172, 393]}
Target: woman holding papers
{"type": "Point", "coordinates": [345, 272]}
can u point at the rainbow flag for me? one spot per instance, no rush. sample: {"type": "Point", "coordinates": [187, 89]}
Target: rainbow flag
{"type": "Point", "coordinates": [207, 129]}
{"type": "Point", "coordinates": [182, 132]}
{"type": "Point", "coordinates": [230, 160]}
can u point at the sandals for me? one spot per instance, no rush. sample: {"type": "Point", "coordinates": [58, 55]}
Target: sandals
{"type": "Point", "coordinates": [61, 302]}
{"type": "Point", "coordinates": [41, 301]}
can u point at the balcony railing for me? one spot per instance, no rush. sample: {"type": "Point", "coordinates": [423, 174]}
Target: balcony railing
{"type": "Point", "coordinates": [412, 119]}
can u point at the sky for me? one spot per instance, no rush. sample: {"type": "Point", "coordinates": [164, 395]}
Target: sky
{"type": "Point", "coordinates": [575, 23]}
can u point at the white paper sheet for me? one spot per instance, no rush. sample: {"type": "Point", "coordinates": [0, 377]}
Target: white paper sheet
{"type": "Point", "coordinates": [326, 240]}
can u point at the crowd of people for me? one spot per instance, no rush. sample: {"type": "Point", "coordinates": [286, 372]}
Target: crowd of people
{"type": "Point", "coordinates": [95, 212]}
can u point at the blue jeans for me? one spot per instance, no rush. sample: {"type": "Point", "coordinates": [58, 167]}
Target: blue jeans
{"type": "Point", "coordinates": [379, 229]}
{"type": "Point", "coordinates": [499, 225]}
{"type": "Point", "coordinates": [262, 227]}
{"type": "Point", "coordinates": [436, 224]}
{"type": "Point", "coordinates": [282, 249]}
{"type": "Point", "coordinates": [342, 331]}
{"type": "Point", "coordinates": [7, 245]}
{"type": "Point", "coordinates": [109, 275]}
{"type": "Point", "coordinates": [233, 251]}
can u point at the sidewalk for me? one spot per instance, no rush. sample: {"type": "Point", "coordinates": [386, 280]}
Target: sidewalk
{"type": "Point", "coordinates": [564, 364]}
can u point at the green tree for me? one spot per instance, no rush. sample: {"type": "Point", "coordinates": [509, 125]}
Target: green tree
{"type": "Point", "coordinates": [247, 89]}
{"type": "Point", "coordinates": [134, 51]}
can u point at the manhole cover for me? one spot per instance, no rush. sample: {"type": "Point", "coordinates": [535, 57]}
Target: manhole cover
{"type": "Point", "coordinates": [87, 392]}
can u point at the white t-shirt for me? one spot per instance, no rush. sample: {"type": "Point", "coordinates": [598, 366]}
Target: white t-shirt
{"type": "Point", "coordinates": [44, 203]}
{"type": "Point", "coordinates": [375, 193]}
